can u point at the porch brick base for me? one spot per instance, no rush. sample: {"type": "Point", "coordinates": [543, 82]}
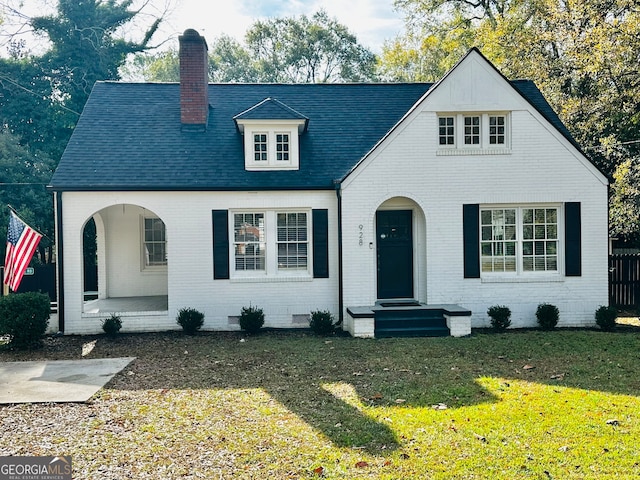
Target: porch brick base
{"type": "Point", "coordinates": [460, 326]}
{"type": "Point", "coordinates": [359, 322]}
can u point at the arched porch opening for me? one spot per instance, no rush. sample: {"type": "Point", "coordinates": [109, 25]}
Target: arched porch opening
{"type": "Point", "coordinates": [126, 245]}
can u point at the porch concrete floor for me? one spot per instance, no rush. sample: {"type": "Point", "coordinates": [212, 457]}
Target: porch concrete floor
{"type": "Point", "coordinates": [155, 303]}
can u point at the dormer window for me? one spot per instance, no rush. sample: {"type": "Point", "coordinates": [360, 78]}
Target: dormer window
{"type": "Point", "coordinates": [271, 132]}
{"type": "Point", "coordinates": [260, 147]}
{"type": "Point", "coordinates": [282, 147]}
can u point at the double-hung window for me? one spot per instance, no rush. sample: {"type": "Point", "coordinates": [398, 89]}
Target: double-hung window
{"type": "Point", "coordinates": [271, 242]}
{"type": "Point", "coordinates": [519, 240]}
{"type": "Point", "coordinates": [249, 241]}
{"type": "Point", "coordinates": [154, 243]}
{"type": "Point", "coordinates": [292, 241]}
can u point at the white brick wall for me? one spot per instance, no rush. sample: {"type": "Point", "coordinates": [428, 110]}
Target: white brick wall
{"type": "Point", "coordinates": [189, 277]}
{"type": "Point", "coordinates": [405, 171]}
{"type": "Point", "coordinates": [542, 167]}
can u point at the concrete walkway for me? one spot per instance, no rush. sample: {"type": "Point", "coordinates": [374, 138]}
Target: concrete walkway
{"type": "Point", "coordinates": [56, 380]}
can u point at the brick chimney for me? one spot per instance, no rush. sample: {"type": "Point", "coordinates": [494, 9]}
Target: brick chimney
{"type": "Point", "coordinates": [194, 80]}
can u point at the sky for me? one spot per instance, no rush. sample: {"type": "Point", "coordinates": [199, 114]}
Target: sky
{"type": "Point", "coordinates": [372, 21]}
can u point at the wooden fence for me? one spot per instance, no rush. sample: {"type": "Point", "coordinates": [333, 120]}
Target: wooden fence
{"type": "Point", "coordinates": [624, 281]}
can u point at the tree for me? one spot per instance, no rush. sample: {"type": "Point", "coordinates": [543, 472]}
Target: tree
{"type": "Point", "coordinates": [582, 54]}
{"type": "Point", "coordinates": [280, 50]}
{"type": "Point", "coordinates": [308, 50]}
{"type": "Point", "coordinates": [41, 96]}
{"type": "Point", "coordinates": [624, 209]}
{"type": "Point", "coordinates": [85, 45]}
{"type": "Point", "coordinates": [24, 176]}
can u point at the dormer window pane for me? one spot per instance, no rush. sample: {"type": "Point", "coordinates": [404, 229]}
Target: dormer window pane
{"type": "Point", "coordinates": [260, 147]}
{"type": "Point", "coordinates": [282, 147]}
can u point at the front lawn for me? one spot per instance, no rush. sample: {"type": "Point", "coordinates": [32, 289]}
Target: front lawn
{"type": "Point", "coordinates": [522, 404]}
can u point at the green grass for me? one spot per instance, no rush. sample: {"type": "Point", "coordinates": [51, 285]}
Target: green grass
{"type": "Point", "coordinates": [522, 404]}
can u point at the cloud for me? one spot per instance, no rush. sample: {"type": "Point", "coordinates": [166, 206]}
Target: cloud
{"type": "Point", "coordinates": [372, 21]}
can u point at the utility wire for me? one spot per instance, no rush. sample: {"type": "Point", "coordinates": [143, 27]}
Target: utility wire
{"type": "Point", "coordinates": [10, 80]}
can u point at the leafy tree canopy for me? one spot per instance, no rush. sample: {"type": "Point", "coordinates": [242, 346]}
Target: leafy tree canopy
{"type": "Point", "coordinates": [280, 50]}
{"type": "Point", "coordinates": [582, 54]}
{"type": "Point", "coordinates": [23, 176]}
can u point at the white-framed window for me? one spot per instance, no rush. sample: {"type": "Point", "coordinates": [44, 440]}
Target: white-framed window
{"type": "Point", "coordinates": [249, 241]}
{"type": "Point", "coordinates": [271, 146]}
{"type": "Point", "coordinates": [271, 242]}
{"type": "Point", "coordinates": [446, 131]}
{"type": "Point", "coordinates": [283, 147]}
{"type": "Point", "coordinates": [519, 240]}
{"type": "Point", "coordinates": [260, 147]}
{"type": "Point", "coordinates": [473, 133]}
{"type": "Point", "coordinates": [497, 129]}
{"type": "Point", "coordinates": [471, 129]}
{"type": "Point", "coordinates": [293, 240]}
{"type": "Point", "coordinates": [154, 243]}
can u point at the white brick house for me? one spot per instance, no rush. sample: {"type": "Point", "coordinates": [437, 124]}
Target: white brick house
{"type": "Point", "coordinates": [453, 197]}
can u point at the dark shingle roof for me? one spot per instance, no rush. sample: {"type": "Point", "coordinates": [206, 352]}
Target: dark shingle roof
{"type": "Point", "coordinates": [129, 136]}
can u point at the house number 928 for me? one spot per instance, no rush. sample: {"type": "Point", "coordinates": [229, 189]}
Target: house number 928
{"type": "Point", "coordinates": [360, 235]}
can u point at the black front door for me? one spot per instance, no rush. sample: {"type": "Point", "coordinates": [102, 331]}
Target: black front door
{"type": "Point", "coordinates": [394, 238]}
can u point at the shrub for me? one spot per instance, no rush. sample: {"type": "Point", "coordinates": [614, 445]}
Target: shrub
{"type": "Point", "coordinates": [190, 319]}
{"type": "Point", "coordinates": [500, 317]}
{"type": "Point", "coordinates": [251, 319]}
{"type": "Point", "coordinates": [112, 325]}
{"type": "Point", "coordinates": [321, 322]}
{"type": "Point", "coordinates": [547, 316]}
{"type": "Point", "coordinates": [606, 318]}
{"type": "Point", "coordinates": [24, 318]}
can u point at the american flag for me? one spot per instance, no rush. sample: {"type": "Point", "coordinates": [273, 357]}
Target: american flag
{"type": "Point", "coordinates": [22, 241]}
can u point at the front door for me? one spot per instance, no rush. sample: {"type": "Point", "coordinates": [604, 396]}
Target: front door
{"type": "Point", "coordinates": [394, 236]}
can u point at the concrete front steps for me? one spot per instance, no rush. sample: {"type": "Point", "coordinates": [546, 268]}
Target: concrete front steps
{"type": "Point", "coordinates": [407, 318]}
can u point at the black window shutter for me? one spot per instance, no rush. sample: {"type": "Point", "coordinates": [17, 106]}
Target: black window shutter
{"type": "Point", "coordinates": [471, 240]}
{"type": "Point", "coordinates": [320, 218]}
{"type": "Point", "coordinates": [220, 244]}
{"type": "Point", "coordinates": [572, 240]}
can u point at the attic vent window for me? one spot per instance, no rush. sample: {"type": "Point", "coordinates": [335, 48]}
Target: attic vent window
{"type": "Point", "coordinates": [474, 134]}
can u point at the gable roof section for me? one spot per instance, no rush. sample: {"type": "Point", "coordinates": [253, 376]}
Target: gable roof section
{"type": "Point", "coordinates": [129, 135]}
{"type": "Point", "coordinates": [527, 89]}
{"type": "Point", "coordinates": [270, 109]}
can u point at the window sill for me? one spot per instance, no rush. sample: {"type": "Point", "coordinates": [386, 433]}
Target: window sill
{"type": "Point", "coordinates": [523, 279]}
{"type": "Point", "coordinates": [273, 279]}
{"type": "Point", "coordinates": [443, 152]}
{"type": "Point", "coordinates": [261, 168]}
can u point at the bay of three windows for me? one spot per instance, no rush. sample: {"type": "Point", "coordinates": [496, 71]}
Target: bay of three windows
{"type": "Point", "coordinates": [474, 131]}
